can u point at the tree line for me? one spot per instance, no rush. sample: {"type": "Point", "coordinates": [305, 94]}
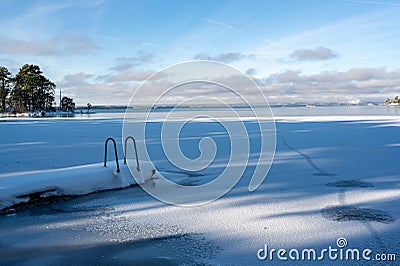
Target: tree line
{"type": "Point", "coordinates": [29, 91]}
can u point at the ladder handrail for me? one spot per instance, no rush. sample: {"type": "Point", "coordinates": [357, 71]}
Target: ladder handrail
{"type": "Point", "coordinates": [134, 145]}
{"type": "Point", "coordinates": [115, 150]}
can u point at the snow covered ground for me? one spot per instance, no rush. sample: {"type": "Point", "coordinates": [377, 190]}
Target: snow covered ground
{"type": "Point", "coordinates": [334, 176]}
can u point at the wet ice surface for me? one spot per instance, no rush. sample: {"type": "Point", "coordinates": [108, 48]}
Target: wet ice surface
{"type": "Point", "coordinates": [332, 179]}
{"type": "Point", "coordinates": [352, 213]}
{"type": "Point", "coordinates": [350, 183]}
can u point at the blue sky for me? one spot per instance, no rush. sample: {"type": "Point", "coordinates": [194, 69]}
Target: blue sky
{"type": "Point", "coordinates": [99, 51]}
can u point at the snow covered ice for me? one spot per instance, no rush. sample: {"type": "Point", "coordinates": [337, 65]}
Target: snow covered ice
{"type": "Point", "coordinates": [76, 180]}
{"type": "Point", "coordinates": [334, 176]}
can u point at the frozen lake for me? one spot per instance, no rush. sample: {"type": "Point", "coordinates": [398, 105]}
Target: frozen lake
{"type": "Point", "coordinates": [335, 175]}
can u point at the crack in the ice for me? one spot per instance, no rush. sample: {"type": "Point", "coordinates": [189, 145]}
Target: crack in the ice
{"type": "Point", "coordinates": [309, 160]}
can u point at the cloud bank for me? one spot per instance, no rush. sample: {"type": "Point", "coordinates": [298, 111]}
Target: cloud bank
{"type": "Point", "coordinates": [63, 44]}
{"type": "Point", "coordinates": [366, 84]}
{"type": "Point", "coordinates": [290, 86]}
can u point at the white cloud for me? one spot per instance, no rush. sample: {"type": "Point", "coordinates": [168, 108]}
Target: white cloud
{"type": "Point", "coordinates": [62, 44]}
{"type": "Point", "coordinates": [223, 57]}
{"type": "Point", "coordinates": [125, 63]}
{"type": "Point", "coordinates": [113, 88]}
{"type": "Point", "coordinates": [126, 76]}
{"type": "Point", "coordinates": [320, 53]}
{"type": "Point", "coordinates": [76, 80]}
{"type": "Point", "coordinates": [251, 71]}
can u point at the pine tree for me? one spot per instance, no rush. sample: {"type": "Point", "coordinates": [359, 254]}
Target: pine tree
{"type": "Point", "coordinates": [32, 91]}
{"type": "Point", "coordinates": [67, 104]}
{"type": "Point", "coordinates": [5, 87]}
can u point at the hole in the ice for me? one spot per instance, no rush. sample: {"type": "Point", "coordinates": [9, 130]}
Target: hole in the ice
{"type": "Point", "coordinates": [325, 174]}
{"type": "Point", "coordinates": [35, 196]}
{"type": "Point", "coordinates": [188, 182]}
{"type": "Point", "coordinates": [183, 173]}
{"type": "Point", "coordinates": [349, 183]}
{"type": "Point", "coordinates": [352, 213]}
{"type": "Point", "coordinates": [65, 208]}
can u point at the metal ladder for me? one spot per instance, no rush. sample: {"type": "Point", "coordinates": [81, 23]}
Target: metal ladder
{"type": "Point", "coordinates": [136, 154]}
{"type": "Point", "coordinates": [116, 152]}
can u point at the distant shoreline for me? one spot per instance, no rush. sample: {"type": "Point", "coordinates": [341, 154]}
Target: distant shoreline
{"type": "Point", "coordinates": [144, 114]}
{"type": "Point", "coordinates": [272, 105]}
